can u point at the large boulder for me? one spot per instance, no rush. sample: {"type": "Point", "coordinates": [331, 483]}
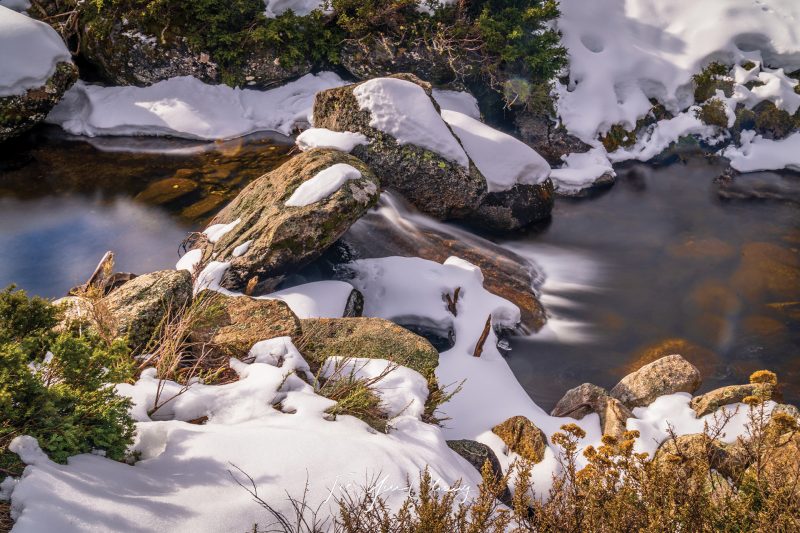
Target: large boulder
{"type": "Point", "coordinates": [139, 306]}
{"type": "Point", "coordinates": [35, 71]}
{"type": "Point", "coordinates": [667, 375]}
{"type": "Point", "coordinates": [711, 401]}
{"type": "Point", "coordinates": [415, 152]}
{"type": "Point", "coordinates": [588, 398]}
{"type": "Point", "coordinates": [277, 227]}
{"type": "Point", "coordinates": [522, 437]}
{"type": "Point", "coordinates": [370, 338]}
{"type": "Point", "coordinates": [515, 208]}
{"type": "Point", "coordinates": [234, 324]}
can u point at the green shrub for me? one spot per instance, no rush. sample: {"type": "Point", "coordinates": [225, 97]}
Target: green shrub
{"type": "Point", "coordinates": [617, 136]}
{"type": "Point", "coordinates": [712, 112]}
{"type": "Point", "coordinates": [62, 398]}
{"type": "Point", "coordinates": [771, 121]}
{"type": "Point", "coordinates": [711, 79]}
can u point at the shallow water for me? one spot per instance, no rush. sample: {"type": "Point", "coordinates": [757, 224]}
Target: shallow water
{"type": "Point", "coordinates": [667, 253]}
{"type": "Point", "coordinates": [64, 201]}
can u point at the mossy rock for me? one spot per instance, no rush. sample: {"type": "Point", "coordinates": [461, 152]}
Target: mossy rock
{"type": "Point", "coordinates": [140, 305]}
{"type": "Point", "coordinates": [711, 401]}
{"type": "Point", "coordinates": [435, 185]}
{"type": "Point", "coordinates": [283, 239]}
{"type": "Point", "coordinates": [522, 437]}
{"type": "Point", "coordinates": [618, 137]}
{"type": "Point", "coordinates": [19, 113]}
{"type": "Point", "coordinates": [235, 323]}
{"type": "Point", "coordinates": [771, 122]}
{"type": "Point", "coordinates": [371, 338]}
{"type": "Point", "coordinates": [712, 113]}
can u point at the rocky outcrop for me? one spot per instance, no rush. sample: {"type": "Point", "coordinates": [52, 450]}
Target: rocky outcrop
{"type": "Point", "coordinates": [522, 437]}
{"type": "Point", "coordinates": [667, 375]}
{"type": "Point", "coordinates": [477, 454]}
{"type": "Point", "coordinates": [547, 137]}
{"type": "Point", "coordinates": [234, 324]}
{"type": "Point", "coordinates": [371, 338]}
{"type": "Point", "coordinates": [19, 113]}
{"type": "Point", "coordinates": [382, 55]}
{"type": "Point", "coordinates": [139, 306]}
{"type": "Point", "coordinates": [442, 188]}
{"type": "Point", "coordinates": [588, 398]}
{"type": "Point", "coordinates": [271, 239]}
{"type": "Point", "coordinates": [515, 208]}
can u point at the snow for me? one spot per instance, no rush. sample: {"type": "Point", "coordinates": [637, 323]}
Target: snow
{"type": "Point", "coordinates": [344, 141]}
{"type": "Point", "coordinates": [16, 5]}
{"type": "Point", "coordinates": [216, 231]}
{"type": "Point", "coordinates": [318, 299]}
{"type": "Point", "coordinates": [299, 7]}
{"type": "Point", "coordinates": [186, 107]}
{"type": "Point", "coordinates": [623, 53]}
{"type": "Point", "coordinates": [503, 160]}
{"type": "Point", "coordinates": [29, 52]}
{"type": "Point", "coordinates": [581, 170]}
{"type": "Point", "coordinates": [460, 101]}
{"type": "Point", "coordinates": [242, 249]}
{"type": "Point", "coordinates": [322, 185]}
{"type": "Point", "coordinates": [189, 260]}
{"type": "Point", "coordinates": [270, 425]}
{"type": "Point", "coordinates": [663, 133]}
{"type": "Point", "coordinates": [672, 411]}
{"type": "Point", "coordinates": [757, 153]}
{"type": "Point", "coordinates": [403, 110]}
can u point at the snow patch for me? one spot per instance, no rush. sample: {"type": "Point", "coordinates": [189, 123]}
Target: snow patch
{"type": "Point", "coordinates": [404, 110]}
{"type": "Point", "coordinates": [216, 231]}
{"type": "Point", "coordinates": [503, 160]}
{"type": "Point", "coordinates": [757, 153]}
{"type": "Point", "coordinates": [322, 185]}
{"type": "Point", "coordinates": [318, 299]}
{"type": "Point", "coordinates": [581, 170]}
{"type": "Point", "coordinates": [344, 141]}
{"type": "Point", "coordinates": [460, 101]}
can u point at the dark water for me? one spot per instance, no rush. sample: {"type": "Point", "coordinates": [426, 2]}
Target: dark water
{"type": "Point", "coordinates": [666, 260]}
{"type": "Point", "coordinates": [65, 201]}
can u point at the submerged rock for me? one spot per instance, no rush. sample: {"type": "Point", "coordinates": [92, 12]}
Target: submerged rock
{"type": "Point", "coordinates": [522, 437]}
{"type": "Point", "coordinates": [667, 375]}
{"type": "Point", "coordinates": [139, 306]}
{"type": "Point", "coordinates": [166, 190]}
{"type": "Point", "coordinates": [371, 338]}
{"type": "Point", "coordinates": [441, 187]}
{"type": "Point", "coordinates": [232, 325]}
{"type": "Point", "coordinates": [587, 398]}
{"type": "Point", "coordinates": [269, 239]}
{"type": "Point", "coordinates": [19, 113]}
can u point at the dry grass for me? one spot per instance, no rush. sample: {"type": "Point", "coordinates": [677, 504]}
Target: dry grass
{"type": "Point", "coordinates": [5, 517]}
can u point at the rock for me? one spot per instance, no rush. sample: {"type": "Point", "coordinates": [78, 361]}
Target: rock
{"type": "Point", "coordinates": [19, 113]}
{"type": "Point", "coordinates": [768, 272]}
{"type": "Point", "coordinates": [126, 54]}
{"type": "Point", "coordinates": [587, 398]}
{"type": "Point", "coordinates": [371, 338]}
{"type": "Point", "coordinates": [166, 190]}
{"type": "Point", "coordinates": [704, 359]}
{"type": "Point", "coordinates": [515, 208]}
{"type": "Point", "coordinates": [355, 304]}
{"type": "Point", "coordinates": [435, 185]}
{"type": "Point", "coordinates": [285, 238]}
{"type": "Point", "coordinates": [711, 401]}
{"type": "Point", "coordinates": [477, 454]}
{"type": "Point", "coordinates": [545, 136]}
{"type": "Point", "coordinates": [523, 437]}
{"type": "Point", "coordinates": [699, 449]}
{"type": "Point", "coordinates": [667, 375]}
{"type": "Point", "coordinates": [234, 324]}
{"type": "Point", "coordinates": [393, 230]}
{"type": "Point", "coordinates": [779, 464]}
{"type": "Point", "coordinates": [381, 55]}
{"type": "Point", "coordinates": [140, 305]}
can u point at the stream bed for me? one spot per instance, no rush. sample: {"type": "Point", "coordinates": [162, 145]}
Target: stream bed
{"type": "Point", "coordinates": [668, 258]}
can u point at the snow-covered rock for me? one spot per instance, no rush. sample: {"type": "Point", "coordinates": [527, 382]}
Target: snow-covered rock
{"type": "Point", "coordinates": [35, 70]}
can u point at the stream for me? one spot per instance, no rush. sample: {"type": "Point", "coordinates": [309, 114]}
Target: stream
{"type": "Point", "coordinates": [667, 257]}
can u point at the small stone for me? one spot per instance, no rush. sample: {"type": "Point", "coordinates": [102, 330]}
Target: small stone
{"type": "Point", "coordinates": [667, 375]}
{"type": "Point", "coordinates": [476, 454]}
{"type": "Point", "coordinates": [522, 437]}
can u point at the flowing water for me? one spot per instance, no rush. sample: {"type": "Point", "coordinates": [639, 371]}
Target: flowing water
{"type": "Point", "coordinates": [666, 260]}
